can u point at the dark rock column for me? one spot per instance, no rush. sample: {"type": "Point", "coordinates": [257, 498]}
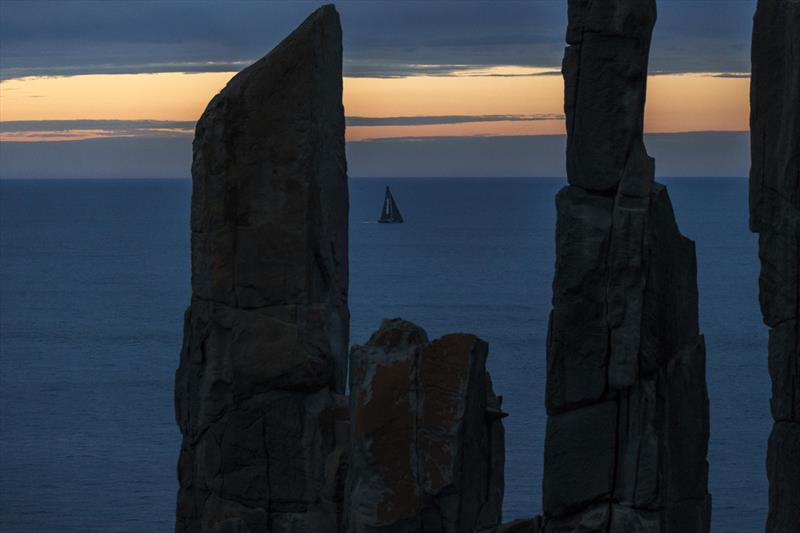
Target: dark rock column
{"type": "Point", "coordinates": [427, 444]}
{"type": "Point", "coordinates": [627, 405]}
{"type": "Point", "coordinates": [266, 333]}
{"type": "Point", "coordinates": [775, 215]}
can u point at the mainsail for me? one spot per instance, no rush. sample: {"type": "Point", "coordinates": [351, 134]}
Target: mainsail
{"type": "Point", "coordinates": [390, 214]}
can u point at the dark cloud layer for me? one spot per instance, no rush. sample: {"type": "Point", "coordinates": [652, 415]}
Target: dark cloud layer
{"type": "Point", "coordinates": [677, 154]}
{"type": "Point", "coordinates": [145, 126]}
{"type": "Point", "coordinates": [445, 119]}
{"type": "Point", "coordinates": [14, 126]}
{"type": "Point", "coordinates": [380, 38]}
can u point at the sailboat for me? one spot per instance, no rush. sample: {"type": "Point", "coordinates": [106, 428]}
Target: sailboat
{"type": "Point", "coordinates": [390, 214]}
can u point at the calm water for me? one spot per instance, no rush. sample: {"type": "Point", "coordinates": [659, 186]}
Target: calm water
{"type": "Point", "coordinates": [94, 281]}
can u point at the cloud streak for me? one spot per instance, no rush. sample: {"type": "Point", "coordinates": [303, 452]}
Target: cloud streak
{"type": "Point", "coordinates": [14, 126]}
{"type": "Point", "coordinates": [60, 130]}
{"type": "Point", "coordinates": [11, 73]}
{"type": "Point", "coordinates": [446, 119]}
{"type": "Point", "coordinates": [70, 130]}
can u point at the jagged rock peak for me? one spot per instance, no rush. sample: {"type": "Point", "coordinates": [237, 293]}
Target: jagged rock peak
{"type": "Point", "coordinates": [427, 442]}
{"type": "Point", "coordinates": [269, 199]}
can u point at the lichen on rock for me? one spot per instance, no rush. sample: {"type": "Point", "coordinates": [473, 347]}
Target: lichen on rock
{"type": "Point", "coordinates": [427, 438]}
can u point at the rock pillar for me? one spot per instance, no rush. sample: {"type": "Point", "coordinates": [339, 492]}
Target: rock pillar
{"type": "Point", "coordinates": [775, 215]}
{"type": "Point", "coordinates": [626, 396]}
{"type": "Point", "coordinates": [266, 333]}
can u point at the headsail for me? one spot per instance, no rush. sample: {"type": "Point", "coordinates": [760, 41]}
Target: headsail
{"type": "Point", "coordinates": [390, 213]}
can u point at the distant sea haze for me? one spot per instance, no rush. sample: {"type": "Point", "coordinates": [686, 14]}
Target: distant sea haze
{"type": "Point", "coordinates": [677, 154]}
{"type": "Point", "coordinates": [94, 280]}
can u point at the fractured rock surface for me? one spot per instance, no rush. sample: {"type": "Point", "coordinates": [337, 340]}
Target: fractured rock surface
{"type": "Point", "coordinates": [626, 397]}
{"type": "Point", "coordinates": [775, 215]}
{"type": "Point", "coordinates": [262, 369]}
{"type": "Point", "coordinates": [606, 61]}
{"type": "Point", "coordinates": [427, 450]}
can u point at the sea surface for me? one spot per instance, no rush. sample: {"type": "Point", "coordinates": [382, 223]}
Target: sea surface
{"type": "Point", "coordinates": [94, 279]}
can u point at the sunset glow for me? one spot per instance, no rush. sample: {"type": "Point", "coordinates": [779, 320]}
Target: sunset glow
{"type": "Point", "coordinates": [166, 96]}
{"type": "Point", "coordinates": [676, 103]}
{"type": "Point", "coordinates": [697, 102]}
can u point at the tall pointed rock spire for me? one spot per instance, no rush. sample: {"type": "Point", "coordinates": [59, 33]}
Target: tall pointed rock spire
{"type": "Point", "coordinates": [266, 333]}
{"type": "Point", "coordinates": [775, 215]}
{"type": "Point", "coordinates": [626, 397]}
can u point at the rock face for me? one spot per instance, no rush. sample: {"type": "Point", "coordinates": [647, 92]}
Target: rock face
{"type": "Point", "coordinates": [606, 61]}
{"type": "Point", "coordinates": [263, 363]}
{"type": "Point", "coordinates": [775, 215]}
{"type": "Point", "coordinates": [522, 525]}
{"type": "Point", "coordinates": [427, 443]}
{"type": "Point", "coordinates": [626, 397]}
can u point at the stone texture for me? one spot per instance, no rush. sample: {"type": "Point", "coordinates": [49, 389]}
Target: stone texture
{"type": "Point", "coordinates": [586, 458]}
{"type": "Point", "coordinates": [775, 215]}
{"type": "Point", "coordinates": [783, 471]}
{"type": "Point", "coordinates": [627, 431]}
{"type": "Point", "coordinates": [258, 390]}
{"type": "Point", "coordinates": [269, 197]}
{"type": "Point", "coordinates": [605, 517]}
{"type": "Point", "coordinates": [522, 525]}
{"type": "Point", "coordinates": [606, 61]}
{"type": "Point", "coordinates": [427, 444]}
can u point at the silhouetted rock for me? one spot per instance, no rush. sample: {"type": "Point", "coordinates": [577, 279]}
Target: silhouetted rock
{"type": "Point", "coordinates": [606, 61]}
{"type": "Point", "coordinates": [266, 334]}
{"type": "Point", "coordinates": [427, 444]}
{"type": "Point", "coordinates": [627, 429]}
{"type": "Point", "coordinates": [775, 215]}
{"type": "Point", "coordinates": [522, 525]}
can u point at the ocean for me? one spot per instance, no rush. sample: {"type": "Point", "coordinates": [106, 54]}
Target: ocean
{"type": "Point", "coordinates": [94, 279]}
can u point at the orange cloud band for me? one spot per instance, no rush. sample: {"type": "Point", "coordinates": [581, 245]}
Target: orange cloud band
{"type": "Point", "coordinates": [676, 103]}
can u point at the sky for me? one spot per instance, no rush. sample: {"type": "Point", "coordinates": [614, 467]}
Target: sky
{"type": "Point", "coordinates": [424, 82]}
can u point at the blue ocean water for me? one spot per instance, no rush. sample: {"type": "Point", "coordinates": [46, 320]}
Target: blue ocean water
{"type": "Point", "coordinates": [94, 278]}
